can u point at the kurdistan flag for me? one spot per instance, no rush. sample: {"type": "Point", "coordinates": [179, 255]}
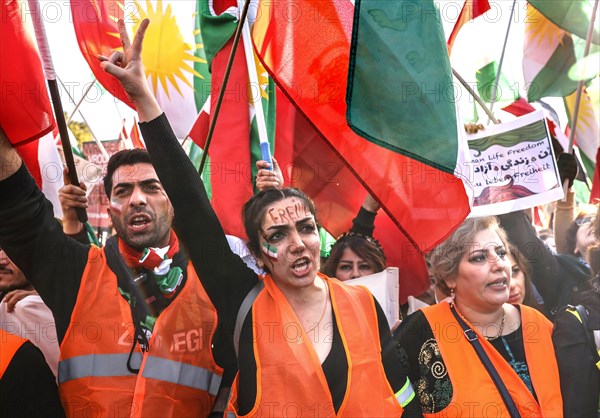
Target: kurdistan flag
{"type": "Point", "coordinates": [169, 52]}
{"type": "Point", "coordinates": [587, 133]}
{"type": "Point", "coordinates": [548, 54]}
{"type": "Point", "coordinates": [571, 15]}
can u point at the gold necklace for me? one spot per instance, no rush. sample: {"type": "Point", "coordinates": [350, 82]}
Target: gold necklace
{"type": "Point", "coordinates": [324, 309]}
{"type": "Point", "coordinates": [500, 329]}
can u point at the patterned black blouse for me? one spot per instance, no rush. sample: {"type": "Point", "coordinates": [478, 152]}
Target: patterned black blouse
{"type": "Point", "coordinates": [419, 350]}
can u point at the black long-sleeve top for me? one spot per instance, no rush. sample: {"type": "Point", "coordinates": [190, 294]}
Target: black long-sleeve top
{"type": "Point", "coordinates": [226, 278]}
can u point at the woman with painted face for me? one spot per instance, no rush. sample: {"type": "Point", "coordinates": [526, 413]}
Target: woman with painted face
{"type": "Point", "coordinates": [444, 342]}
{"type": "Point", "coordinates": [306, 344]}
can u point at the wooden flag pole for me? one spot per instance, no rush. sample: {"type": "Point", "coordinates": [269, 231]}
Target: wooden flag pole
{"type": "Point", "coordinates": [475, 96]}
{"type": "Point", "coordinates": [215, 115]}
{"type": "Point", "coordinates": [96, 140]}
{"type": "Point", "coordinates": [42, 41]}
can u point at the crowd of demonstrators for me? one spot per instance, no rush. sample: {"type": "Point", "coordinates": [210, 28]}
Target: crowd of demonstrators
{"type": "Point", "coordinates": [329, 350]}
{"type": "Point", "coordinates": [442, 343]}
{"type": "Point", "coordinates": [577, 343]}
{"type": "Point", "coordinates": [559, 277]}
{"type": "Point", "coordinates": [169, 319]}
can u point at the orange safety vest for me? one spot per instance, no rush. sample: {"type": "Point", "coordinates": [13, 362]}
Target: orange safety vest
{"type": "Point", "coordinates": [474, 392]}
{"type": "Point", "coordinates": [9, 345]}
{"type": "Point", "coordinates": [289, 377]}
{"type": "Point", "coordinates": [178, 376]}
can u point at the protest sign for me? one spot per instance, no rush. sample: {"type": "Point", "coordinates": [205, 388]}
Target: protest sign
{"type": "Point", "coordinates": [513, 166]}
{"type": "Point", "coordinates": [386, 290]}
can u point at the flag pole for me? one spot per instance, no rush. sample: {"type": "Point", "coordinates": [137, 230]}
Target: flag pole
{"type": "Point", "coordinates": [586, 51]}
{"type": "Point", "coordinates": [497, 80]}
{"type": "Point", "coordinates": [256, 102]}
{"type": "Point", "coordinates": [96, 140]}
{"type": "Point", "coordinates": [475, 96]}
{"type": "Point", "coordinates": [213, 122]}
{"type": "Point", "coordinates": [42, 41]}
{"type": "Point", "coordinates": [85, 93]}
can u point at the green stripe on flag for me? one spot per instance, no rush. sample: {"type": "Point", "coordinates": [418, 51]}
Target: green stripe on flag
{"type": "Point", "coordinates": [553, 79]}
{"type": "Point", "coordinates": [220, 29]}
{"type": "Point", "coordinates": [269, 108]}
{"type": "Point", "coordinates": [400, 89]}
{"type": "Point", "coordinates": [486, 78]}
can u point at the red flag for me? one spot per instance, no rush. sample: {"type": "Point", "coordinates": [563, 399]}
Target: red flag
{"type": "Point", "coordinates": [26, 111]}
{"type": "Point", "coordinates": [135, 136]}
{"type": "Point", "coordinates": [309, 163]}
{"type": "Point", "coordinates": [308, 58]}
{"type": "Point", "coordinates": [199, 130]}
{"type": "Point", "coordinates": [471, 9]}
{"type": "Point", "coordinates": [230, 165]}
{"type": "Point", "coordinates": [595, 193]}
{"type": "Point", "coordinates": [95, 24]}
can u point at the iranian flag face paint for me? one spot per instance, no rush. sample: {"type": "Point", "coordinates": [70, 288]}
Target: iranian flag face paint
{"type": "Point", "coordinates": [269, 250]}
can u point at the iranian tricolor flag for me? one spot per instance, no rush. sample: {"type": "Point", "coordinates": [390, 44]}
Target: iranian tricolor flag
{"type": "Point", "coordinates": [308, 56]}
{"type": "Point", "coordinates": [307, 160]}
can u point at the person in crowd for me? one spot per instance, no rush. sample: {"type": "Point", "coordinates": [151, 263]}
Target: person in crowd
{"type": "Point", "coordinates": [133, 321]}
{"type": "Point", "coordinates": [23, 312]}
{"type": "Point", "coordinates": [439, 342]}
{"type": "Point", "coordinates": [559, 278]}
{"type": "Point", "coordinates": [577, 342]}
{"type": "Point", "coordinates": [355, 253]}
{"type": "Point", "coordinates": [521, 288]}
{"type": "Point", "coordinates": [27, 385]}
{"type": "Point", "coordinates": [324, 348]}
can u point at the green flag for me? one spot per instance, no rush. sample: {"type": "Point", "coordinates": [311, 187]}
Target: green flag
{"type": "Point", "coordinates": [400, 90]}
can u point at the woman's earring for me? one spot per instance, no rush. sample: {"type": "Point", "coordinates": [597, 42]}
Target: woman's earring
{"type": "Point", "coordinates": [452, 293]}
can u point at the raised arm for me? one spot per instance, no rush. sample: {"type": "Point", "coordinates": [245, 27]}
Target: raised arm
{"type": "Point", "coordinates": [34, 240]}
{"type": "Point", "coordinates": [224, 275]}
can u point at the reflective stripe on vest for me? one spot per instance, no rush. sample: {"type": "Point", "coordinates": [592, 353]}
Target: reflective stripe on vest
{"type": "Point", "coordinates": [406, 394]}
{"type": "Point", "coordinates": [576, 314]}
{"type": "Point", "coordinates": [182, 374]}
{"type": "Point", "coordinates": [110, 365]}
{"type": "Point", "coordinates": [98, 365]}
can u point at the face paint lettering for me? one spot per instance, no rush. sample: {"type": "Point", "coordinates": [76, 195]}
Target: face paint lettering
{"type": "Point", "coordinates": [269, 250]}
{"type": "Point", "coordinates": [289, 214]}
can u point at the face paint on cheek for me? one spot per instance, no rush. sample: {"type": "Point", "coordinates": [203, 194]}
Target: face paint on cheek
{"type": "Point", "coordinates": [269, 250]}
{"type": "Point", "coordinates": [116, 205]}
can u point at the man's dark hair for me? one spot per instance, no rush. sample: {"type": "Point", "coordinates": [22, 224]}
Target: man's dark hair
{"type": "Point", "coordinates": [123, 157]}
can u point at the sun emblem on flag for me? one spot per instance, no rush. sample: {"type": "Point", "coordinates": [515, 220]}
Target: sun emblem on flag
{"type": "Point", "coordinates": [166, 54]}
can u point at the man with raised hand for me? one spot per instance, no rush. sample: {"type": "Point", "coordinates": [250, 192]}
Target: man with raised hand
{"type": "Point", "coordinates": [134, 324]}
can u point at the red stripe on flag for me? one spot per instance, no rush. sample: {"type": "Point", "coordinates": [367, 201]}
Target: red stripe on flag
{"type": "Point", "coordinates": [308, 57]}
{"type": "Point", "coordinates": [135, 136]}
{"type": "Point", "coordinates": [471, 9]}
{"type": "Point", "coordinates": [95, 24]}
{"type": "Point", "coordinates": [230, 166]}
{"type": "Point", "coordinates": [26, 110]}
{"type": "Point", "coordinates": [309, 163]}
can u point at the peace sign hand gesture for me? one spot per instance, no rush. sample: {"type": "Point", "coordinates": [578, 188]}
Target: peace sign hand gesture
{"type": "Point", "coordinates": [127, 67]}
